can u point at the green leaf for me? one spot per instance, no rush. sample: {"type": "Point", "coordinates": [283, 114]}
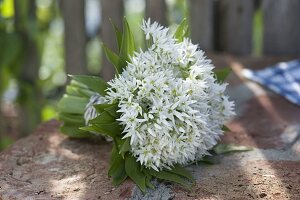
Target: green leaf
{"type": "Point", "coordinates": [127, 45]}
{"type": "Point", "coordinates": [148, 181]}
{"type": "Point", "coordinates": [101, 107]}
{"type": "Point", "coordinates": [118, 62]}
{"type": "Point", "coordinates": [117, 167]}
{"type": "Point", "coordinates": [103, 118]}
{"type": "Point", "coordinates": [94, 130]}
{"type": "Point", "coordinates": [78, 84]}
{"type": "Point", "coordinates": [74, 132]}
{"type": "Point", "coordinates": [133, 170]}
{"type": "Point", "coordinates": [71, 90]}
{"type": "Point", "coordinates": [112, 129]}
{"type": "Point", "coordinates": [210, 160]}
{"type": "Point", "coordinates": [227, 148]}
{"type": "Point", "coordinates": [179, 170]}
{"type": "Point", "coordinates": [72, 104]}
{"type": "Point", "coordinates": [169, 176]}
{"type": "Point", "coordinates": [76, 91]}
{"type": "Point", "coordinates": [118, 34]}
{"type": "Point", "coordinates": [114, 152]}
{"type": "Point", "coordinates": [93, 82]}
{"type": "Point", "coordinates": [125, 147]}
{"type": "Point", "coordinates": [71, 118]}
{"type": "Point", "coordinates": [182, 31]}
{"type": "Point", "coordinates": [222, 74]}
{"type": "Point", "coordinates": [110, 108]}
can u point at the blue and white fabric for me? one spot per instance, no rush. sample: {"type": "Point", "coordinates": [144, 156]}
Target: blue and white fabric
{"type": "Point", "coordinates": [282, 78]}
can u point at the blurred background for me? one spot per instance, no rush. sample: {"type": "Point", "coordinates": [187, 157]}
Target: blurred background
{"type": "Point", "coordinates": [43, 40]}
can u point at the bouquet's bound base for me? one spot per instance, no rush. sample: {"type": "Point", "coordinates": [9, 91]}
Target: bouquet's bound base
{"type": "Point", "coordinates": [48, 165]}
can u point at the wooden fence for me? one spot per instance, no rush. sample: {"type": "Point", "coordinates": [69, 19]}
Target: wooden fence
{"type": "Point", "coordinates": [228, 25]}
{"type": "Point", "coordinates": [217, 25]}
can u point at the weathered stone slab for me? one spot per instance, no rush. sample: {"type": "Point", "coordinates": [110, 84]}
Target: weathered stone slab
{"type": "Point", "coordinates": [267, 121]}
{"type": "Point", "coordinates": [48, 165]}
{"type": "Point", "coordinates": [254, 179]}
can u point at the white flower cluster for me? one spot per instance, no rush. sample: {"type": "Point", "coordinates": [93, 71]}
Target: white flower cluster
{"type": "Point", "coordinates": [171, 106]}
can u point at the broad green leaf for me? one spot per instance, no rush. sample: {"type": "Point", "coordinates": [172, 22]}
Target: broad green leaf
{"type": "Point", "coordinates": [117, 168]}
{"type": "Point", "coordinates": [93, 82]}
{"type": "Point", "coordinates": [110, 108]}
{"type": "Point", "coordinates": [227, 148]}
{"type": "Point", "coordinates": [119, 142]}
{"type": "Point", "coordinates": [71, 90]}
{"type": "Point", "coordinates": [113, 111]}
{"type": "Point", "coordinates": [85, 92]}
{"type": "Point", "coordinates": [148, 181]}
{"type": "Point", "coordinates": [71, 118]}
{"type": "Point", "coordinates": [118, 62]}
{"type": "Point", "coordinates": [125, 147]}
{"type": "Point", "coordinates": [127, 45]}
{"type": "Point", "coordinates": [92, 129]}
{"type": "Point", "coordinates": [222, 74]}
{"type": "Point", "coordinates": [74, 132]}
{"type": "Point", "coordinates": [101, 107]}
{"type": "Point", "coordinates": [210, 160]}
{"type": "Point", "coordinates": [114, 151]}
{"type": "Point", "coordinates": [179, 170]}
{"type": "Point", "coordinates": [112, 129]}
{"type": "Point", "coordinates": [76, 91]}
{"type": "Point", "coordinates": [78, 84]}
{"type": "Point", "coordinates": [72, 104]}
{"type": "Point", "coordinates": [169, 176]}
{"type": "Point", "coordinates": [118, 34]}
{"type": "Point", "coordinates": [182, 31]}
{"type": "Point", "coordinates": [133, 170]}
{"type": "Point", "coordinates": [103, 118]}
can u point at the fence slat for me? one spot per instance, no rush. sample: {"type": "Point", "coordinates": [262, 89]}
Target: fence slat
{"type": "Point", "coordinates": [281, 27]}
{"type": "Point", "coordinates": [114, 10]}
{"type": "Point", "coordinates": [156, 10]}
{"type": "Point", "coordinates": [201, 16]}
{"type": "Point", "coordinates": [75, 38]}
{"type": "Point", "coordinates": [235, 26]}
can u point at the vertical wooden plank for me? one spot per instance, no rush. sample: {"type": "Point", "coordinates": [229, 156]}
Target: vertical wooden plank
{"type": "Point", "coordinates": [114, 10]}
{"type": "Point", "coordinates": [281, 27]}
{"type": "Point", "coordinates": [156, 10]}
{"type": "Point", "coordinates": [235, 26]}
{"type": "Point", "coordinates": [202, 23]}
{"type": "Point", "coordinates": [75, 37]}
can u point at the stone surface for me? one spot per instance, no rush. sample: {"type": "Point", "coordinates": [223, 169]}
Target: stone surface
{"type": "Point", "coordinates": [48, 165]}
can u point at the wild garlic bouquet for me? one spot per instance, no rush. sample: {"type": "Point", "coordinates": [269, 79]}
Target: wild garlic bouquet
{"type": "Point", "coordinates": [164, 109]}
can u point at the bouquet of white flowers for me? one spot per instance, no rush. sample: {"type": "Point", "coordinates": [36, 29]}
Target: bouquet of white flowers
{"type": "Point", "coordinates": [164, 109]}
